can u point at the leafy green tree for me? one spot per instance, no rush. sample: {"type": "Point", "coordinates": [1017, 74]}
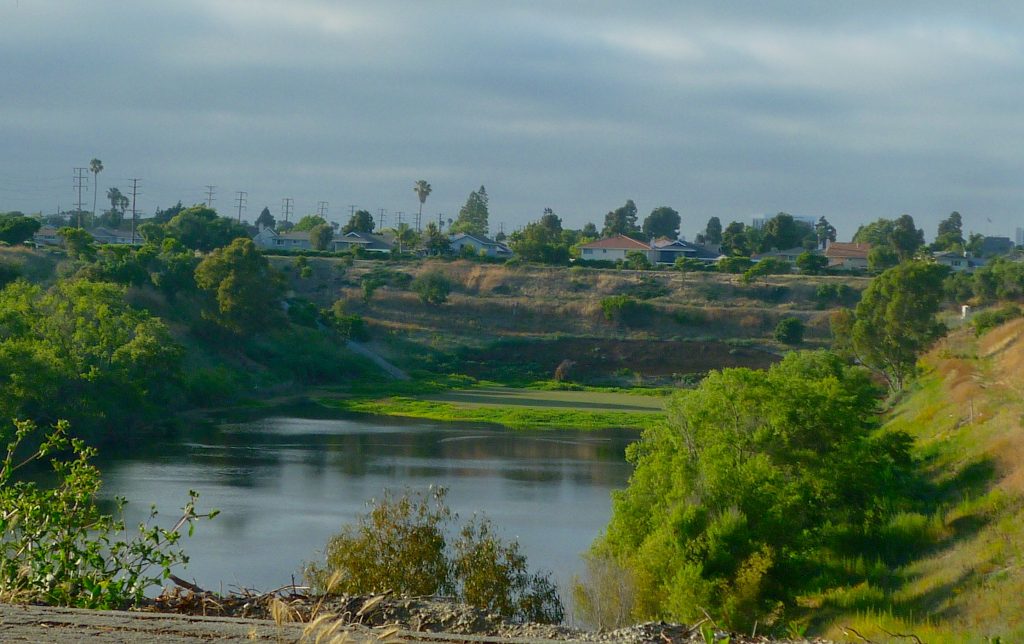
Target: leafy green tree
{"type": "Point", "coordinates": [732, 502]}
{"type": "Point", "coordinates": [907, 238]}
{"type": "Point", "coordinates": [824, 232]}
{"type": "Point", "coordinates": [542, 241]}
{"type": "Point", "coordinates": [164, 216]}
{"type": "Point", "coordinates": [406, 237]}
{"type": "Point", "coordinates": [58, 546]}
{"type": "Point", "coordinates": [422, 190]}
{"type": "Point", "coordinates": [435, 242]}
{"type": "Point", "coordinates": [265, 220]}
{"type": "Point", "coordinates": [8, 273]}
{"type": "Point", "coordinates": [765, 267]}
{"type": "Point", "coordinates": [118, 205]}
{"type": "Point", "coordinates": [308, 222]}
{"type": "Point", "coordinates": [876, 233]}
{"type": "Point", "coordinates": [589, 230]}
{"type": "Point", "coordinates": [896, 319]}
{"type": "Point", "coordinates": [361, 221]}
{"type": "Point", "coordinates": [734, 265]}
{"type": "Point", "coordinates": [783, 231]}
{"type": "Point", "coordinates": [637, 260]}
{"type": "Point", "coordinates": [320, 236]}
{"type": "Point", "coordinates": [811, 263]}
{"type": "Point", "coordinates": [736, 240]}
{"type": "Point", "coordinates": [882, 257]}
{"type": "Point", "coordinates": [77, 243]}
{"type": "Point", "coordinates": [690, 265]}
{"type": "Point", "coordinates": [975, 244]}
{"type": "Point", "coordinates": [950, 234]}
{"type": "Point", "coordinates": [473, 215]}
{"type": "Point", "coordinates": [713, 232]}
{"type": "Point", "coordinates": [95, 167]}
{"type": "Point", "coordinates": [433, 287]}
{"type": "Point", "coordinates": [621, 221]}
{"type": "Point", "coordinates": [662, 222]}
{"type": "Point", "coordinates": [201, 228]}
{"type": "Point", "coordinates": [551, 222]}
{"type": "Point", "coordinates": [245, 289]}
{"type": "Point", "coordinates": [17, 229]}
{"type": "Point", "coordinates": [789, 330]}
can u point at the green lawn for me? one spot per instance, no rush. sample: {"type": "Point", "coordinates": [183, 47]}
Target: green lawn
{"type": "Point", "coordinates": [597, 401]}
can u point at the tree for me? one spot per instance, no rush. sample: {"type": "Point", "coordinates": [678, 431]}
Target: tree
{"type": "Point", "coordinates": [735, 240]}
{"type": "Point", "coordinates": [907, 239]}
{"type": "Point", "coordinates": [811, 263]}
{"type": "Point", "coordinates": [201, 228]}
{"type": "Point", "coordinates": [662, 222]}
{"type": "Point", "coordinates": [551, 222]}
{"type": "Point", "coordinates": [713, 232]}
{"type": "Point", "coordinates": [541, 241]}
{"type": "Point", "coordinates": [876, 233]}
{"type": "Point", "coordinates": [95, 167]}
{"type": "Point", "coordinates": [17, 229]}
{"type": "Point", "coordinates": [621, 221]}
{"type": "Point", "coordinates": [432, 287]}
{"type": "Point", "coordinates": [733, 502]}
{"type": "Point", "coordinates": [77, 243]}
{"type": "Point", "coordinates": [361, 221]}
{"type": "Point", "coordinates": [950, 234]}
{"type": "Point", "coordinates": [473, 215]}
{"type": "Point", "coordinates": [308, 222]}
{"type": "Point", "coordinates": [164, 216]}
{"type": "Point", "coordinates": [405, 236]}
{"type": "Point", "coordinates": [435, 242]}
{"type": "Point", "coordinates": [246, 290]}
{"type": "Point", "coordinates": [783, 231]}
{"type": "Point", "coordinates": [118, 205]}
{"type": "Point", "coordinates": [789, 331]}
{"type": "Point", "coordinates": [895, 319]}
{"type": "Point", "coordinates": [422, 190]}
{"type": "Point", "coordinates": [320, 236]}
{"type": "Point", "coordinates": [825, 232]}
{"type": "Point", "coordinates": [265, 220]}
{"type": "Point", "coordinates": [589, 230]}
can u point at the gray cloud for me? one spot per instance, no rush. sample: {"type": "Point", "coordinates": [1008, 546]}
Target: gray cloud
{"type": "Point", "coordinates": [725, 109]}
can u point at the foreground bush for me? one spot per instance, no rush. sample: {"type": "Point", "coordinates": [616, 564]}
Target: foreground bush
{"type": "Point", "coordinates": [400, 545]}
{"type": "Point", "coordinates": [56, 547]}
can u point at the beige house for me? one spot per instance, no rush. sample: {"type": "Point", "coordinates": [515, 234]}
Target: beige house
{"type": "Point", "coordinates": [615, 248]}
{"type": "Point", "coordinates": [847, 256]}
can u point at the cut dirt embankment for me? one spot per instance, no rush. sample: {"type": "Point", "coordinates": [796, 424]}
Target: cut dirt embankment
{"type": "Point", "coordinates": [965, 414]}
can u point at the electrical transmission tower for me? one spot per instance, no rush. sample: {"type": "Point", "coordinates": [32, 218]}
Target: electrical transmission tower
{"type": "Point", "coordinates": [241, 200]}
{"type": "Point", "coordinates": [399, 214]}
{"type": "Point", "coordinates": [209, 196]}
{"type": "Point", "coordinates": [286, 207]}
{"type": "Point", "coordinates": [383, 217]}
{"type": "Point", "coordinates": [321, 209]}
{"type": "Point", "coordinates": [135, 213]}
{"type": "Point", "coordinates": [80, 184]}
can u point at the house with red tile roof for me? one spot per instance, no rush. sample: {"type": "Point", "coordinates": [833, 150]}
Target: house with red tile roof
{"type": "Point", "coordinates": [847, 255]}
{"type": "Point", "coordinates": [612, 249]}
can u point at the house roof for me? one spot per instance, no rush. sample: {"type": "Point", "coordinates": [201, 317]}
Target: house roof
{"type": "Point", "coordinates": [301, 235]}
{"type": "Point", "coordinates": [847, 250]}
{"type": "Point", "coordinates": [785, 252]}
{"type": "Point", "coordinates": [684, 247]}
{"type": "Point", "coordinates": [486, 241]}
{"type": "Point", "coordinates": [366, 240]}
{"type": "Point", "coordinates": [618, 242]}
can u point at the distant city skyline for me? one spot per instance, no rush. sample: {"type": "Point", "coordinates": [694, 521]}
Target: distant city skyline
{"type": "Point", "coordinates": [715, 109]}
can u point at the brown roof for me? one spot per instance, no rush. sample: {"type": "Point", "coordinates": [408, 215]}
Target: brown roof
{"type": "Point", "coordinates": [847, 250]}
{"type": "Point", "coordinates": [618, 242]}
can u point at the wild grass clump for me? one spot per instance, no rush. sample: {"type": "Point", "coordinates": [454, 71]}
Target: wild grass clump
{"type": "Point", "coordinates": [401, 545]}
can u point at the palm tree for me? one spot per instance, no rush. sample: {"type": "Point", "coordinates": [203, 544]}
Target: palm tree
{"type": "Point", "coordinates": [422, 190]}
{"type": "Point", "coordinates": [95, 167]}
{"type": "Point", "coordinates": [405, 236]}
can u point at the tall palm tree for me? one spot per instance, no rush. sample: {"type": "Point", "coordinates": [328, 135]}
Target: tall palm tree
{"type": "Point", "coordinates": [422, 190]}
{"type": "Point", "coordinates": [405, 236]}
{"type": "Point", "coordinates": [95, 167]}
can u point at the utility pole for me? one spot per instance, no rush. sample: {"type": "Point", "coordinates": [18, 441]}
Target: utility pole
{"type": "Point", "coordinates": [135, 214]}
{"type": "Point", "coordinates": [209, 196]}
{"type": "Point", "coordinates": [240, 200]}
{"type": "Point", "coordinates": [418, 229]}
{"type": "Point", "coordinates": [382, 217]}
{"type": "Point", "coordinates": [440, 221]}
{"type": "Point", "coordinates": [352, 210]}
{"type": "Point", "coordinates": [286, 207]}
{"type": "Point", "coordinates": [79, 185]}
{"type": "Point", "coordinates": [399, 215]}
{"type": "Point", "coordinates": [321, 209]}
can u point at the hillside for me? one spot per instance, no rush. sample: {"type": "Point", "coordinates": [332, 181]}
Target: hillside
{"type": "Point", "coordinates": [965, 551]}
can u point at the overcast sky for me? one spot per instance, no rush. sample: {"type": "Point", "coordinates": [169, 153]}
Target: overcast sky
{"type": "Point", "coordinates": [731, 109]}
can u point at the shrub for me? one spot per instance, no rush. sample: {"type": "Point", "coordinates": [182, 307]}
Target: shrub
{"type": "Point", "coordinates": [623, 309]}
{"type": "Point", "coordinates": [8, 273]}
{"type": "Point", "coordinates": [400, 545]}
{"type": "Point", "coordinates": [432, 287]}
{"type": "Point", "coordinates": [734, 264]}
{"type": "Point", "coordinates": [986, 320]}
{"type": "Point", "coordinates": [789, 331]}
{"type": "Point", "coordinates": [303, 312]}
{"type": "Point", "coordinates": [57, 547]}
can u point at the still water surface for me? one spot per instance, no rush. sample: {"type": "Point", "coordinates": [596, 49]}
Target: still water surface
{"type": "Point", "coordinates": [285, 484]}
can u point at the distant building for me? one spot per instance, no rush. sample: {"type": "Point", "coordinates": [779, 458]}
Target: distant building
{"type": "Point", "coordinates": [46, 236]}
{"type": "Point", "coordinates": [612, 249]}
{"type": "Point", "coordinates": [480, 245]}
{"type": "Point", "coordinates": [111, 236]}
{"type": "Point", "coordinates": [667, 251]}
{"type": "Point", "coordinates": [369, 242]}
{"type": "Point", "coordinates": [995, 246]}
{"type": "Point", "coordinates": [847, 255]}
{"type": "Point", "coordinates": [958, 262]}
{"type": "Point", "coordinates": [269, 238]}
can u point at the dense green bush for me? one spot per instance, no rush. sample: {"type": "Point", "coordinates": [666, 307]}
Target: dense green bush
{"type": "Point", "coordinates": [789, 330]}
{"type": "Point", "coordinates": [433, 287]}
{"type": "Point", "coordinates": [57, 546]}
{"type": "Point", "coordinates": [400, 545]}
{"type": "Point", "coordinates": [623, 309]}
{"type": "Point", "coordinates": [986, 320]}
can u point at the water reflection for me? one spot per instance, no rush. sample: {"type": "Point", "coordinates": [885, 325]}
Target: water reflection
{"type": "Point", "coordinates": [284, 485]}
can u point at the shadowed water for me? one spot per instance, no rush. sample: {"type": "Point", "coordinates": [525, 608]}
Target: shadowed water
{"type": "Point", "coordinates": [284, 485]}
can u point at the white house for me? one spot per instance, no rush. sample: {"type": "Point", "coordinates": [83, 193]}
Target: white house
{"type": "Point", "coordinates": [269, 238]}
{"type": "Point", "coordinates": [612, 249]}
{"type": "Point", "coordinates": [367, 241]}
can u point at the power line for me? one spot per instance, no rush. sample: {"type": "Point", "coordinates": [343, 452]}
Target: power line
{"type": "Point", "coordinates": [241, 200]}
{"type": "Point", "coordinates": [383, 218]}
{"type": "Point", "coordinates": [79, 185]}
{"type": "Point", "coordinates": [321, 209]}
{"type": "Point", "coordinates": [135, 214]}
{"type": "Point", "coordinates": [209, 196]}
{"type": "Point", "coordinates": [286, 207]}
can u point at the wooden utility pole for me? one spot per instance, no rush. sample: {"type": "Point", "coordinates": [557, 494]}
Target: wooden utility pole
{"type": "Point", "coordinates": [135, 214]}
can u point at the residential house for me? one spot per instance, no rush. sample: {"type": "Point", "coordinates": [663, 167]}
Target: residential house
{"type": "Point", "coordinates": [479, 244]}
{"type": "Point", "coordinates": [787, 255]}
{"type": "Point", "coordinates": [958, 262]}
{"type": "Point", "coordinates": [847, 256]}
{"type": "Point", "coordinates": [270, 238]}
{"type": "Point", "coordinates": [111, 236]}
{"type": "Point", "coordinates": [667, 251]}
{"type": "Point", "coordinates": [368, 242]}
{"type": "Point", "coordinates": [612, 249]}
{"type": "Point", "coordinates": [46, 236]}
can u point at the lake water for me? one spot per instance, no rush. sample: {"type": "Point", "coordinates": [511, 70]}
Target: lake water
{"type": "Point", "coordinates": [285, 484]}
